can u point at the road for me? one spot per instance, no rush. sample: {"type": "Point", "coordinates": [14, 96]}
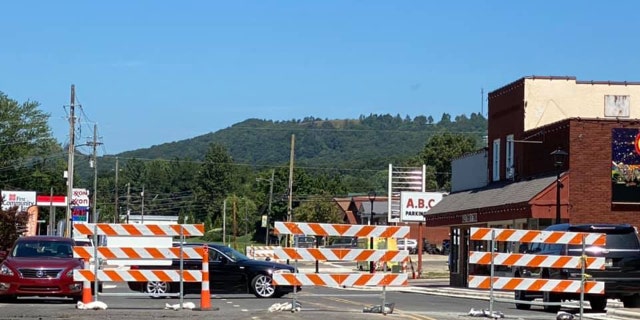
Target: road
{"type": "Point", "coordinates": [316, 302]}
{"type": "Point", "coordinates": [334, 304]}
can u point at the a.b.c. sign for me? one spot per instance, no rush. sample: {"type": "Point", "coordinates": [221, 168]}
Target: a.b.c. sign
{"type": "Point", "coordinates": [414, 205]}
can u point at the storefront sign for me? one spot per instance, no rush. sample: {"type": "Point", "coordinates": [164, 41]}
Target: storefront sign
{"type": "Point", "coordinates": [414, 205]}
{"type": "Point", "coordinates": [80, 198]}
{"type": "Point", "coordinates": [22, 199]}
{"type": "Point", "coordinates": [469, 218]}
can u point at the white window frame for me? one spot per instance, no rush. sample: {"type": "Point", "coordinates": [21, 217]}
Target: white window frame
{"type": "Point", "coordinates": [496, 160]}
{"type": "Point", "coordinates": [509, 157]}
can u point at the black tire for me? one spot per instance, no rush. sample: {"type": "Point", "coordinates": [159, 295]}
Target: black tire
{"type": "Point", "coordinates": [632, 301]}
{"type": "Point", "coordinates": [8, 299]}
{"type": "Point", "coordinates": [598, 303]}
{"type": "Point", "coordinates": [279, 294]}
{"type": "Point", "coordinates": [551, 297]}
{"type": "Point", "coordinates": [521, 295]}
{"type": "Point", "coordinates": [156, 288]}
{"type": "Point", "coordinates": [262, 287]}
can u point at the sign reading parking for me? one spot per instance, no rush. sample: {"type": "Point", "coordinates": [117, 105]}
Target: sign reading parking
{"type": "Point", "coordinates": [414, 205]}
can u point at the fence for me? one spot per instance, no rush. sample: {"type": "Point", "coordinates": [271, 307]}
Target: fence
{"type": "Point", "coordinates": [88, 274]}
{"type": "Point", "coordinates": [536, 261]}
{"type": "Point", "coordinates": [341, 279]}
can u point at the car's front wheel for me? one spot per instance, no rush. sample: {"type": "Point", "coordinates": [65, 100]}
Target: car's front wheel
{"type": "Point", "coordinates": [522, 296]}
{"type": "Point", "coordinates": [262, 287]}
{"type": "Point", "coordinates": [632, 301]}
{"type": "Point", "coordinates": [156, 289]}
{"type": "Point", "coordinates": [551, 297]}
{"type": "Point", "coordinates": [598, 303]}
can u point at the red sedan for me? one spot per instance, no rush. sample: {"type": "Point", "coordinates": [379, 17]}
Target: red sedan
{"type": "Point", "coordinates": [40, 266]}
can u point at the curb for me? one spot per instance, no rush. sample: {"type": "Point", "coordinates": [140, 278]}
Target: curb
{"type": "Point", "coordinates": [623, 313]}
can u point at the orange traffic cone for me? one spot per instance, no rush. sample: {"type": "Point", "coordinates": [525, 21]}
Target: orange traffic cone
{"type": "Point", "coordinates": [86, 286]}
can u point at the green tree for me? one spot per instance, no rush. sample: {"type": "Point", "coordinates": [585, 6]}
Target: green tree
{"type": "Point", "coordinates": [215, 181]}
{"type": "Point", "coordinates": [320, 208]}
{"type": "Point", "coordinates": [438, 153]}
{"type": "Point", "coordinates": [29, 155]}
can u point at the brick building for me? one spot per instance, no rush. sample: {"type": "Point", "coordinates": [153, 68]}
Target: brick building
{"type": "Point", "coordinates": [594, 122]}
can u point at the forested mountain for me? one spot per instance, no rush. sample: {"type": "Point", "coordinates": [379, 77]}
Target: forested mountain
{"type": "Point", "coordinates": [245, 166]}
{"type": "Point", "coordinates": [371, 141]}
{"type": "Point", "coordinates": [333, 158]}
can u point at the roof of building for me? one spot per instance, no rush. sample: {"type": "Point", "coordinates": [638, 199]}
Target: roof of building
{"type": "Point", "coordinates": [495, 194]}
{"type": "Point", "coordinates": [343, 204]}
{"type": "Point", "coordinates": [379, 207]}
{"type": "Point", "coordinates": [518, 82]}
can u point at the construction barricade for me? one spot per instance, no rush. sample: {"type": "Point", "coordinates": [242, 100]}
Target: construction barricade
{"type": "Point", "coordinates": [262, 252]}
{"type": "Point", "coordinates": [95, 253]}
{"type": "Point", "coordinates": [342, 280]}
{"type": "Point", "coordinates": [528, 260]}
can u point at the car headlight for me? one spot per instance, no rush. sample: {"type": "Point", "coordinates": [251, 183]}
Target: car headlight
{"type": "Point", "coordinates": [70, 272]}
{"type": "Point", "coordinates": [282, 271]}
{"type": "Point", "coordinates": [5, 271]}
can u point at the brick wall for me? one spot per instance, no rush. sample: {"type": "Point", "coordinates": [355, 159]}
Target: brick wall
{"type": "Point", "coordinates": [590, 163]}
{"type": "Point", "coordinates": [434, 235]}
{"type": "Point", "coordinates": [506, 116]}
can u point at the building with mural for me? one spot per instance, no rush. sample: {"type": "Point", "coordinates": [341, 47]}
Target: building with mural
{"type": "Point", "coordinates": [594, 128]}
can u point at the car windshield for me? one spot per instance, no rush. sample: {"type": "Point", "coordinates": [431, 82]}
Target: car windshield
{"type": "Point", "coordinates": [233, 254]}
{"type": "Point", "coordinates": [625, 241]}
{"type": "Point", "coordinates": [42, 248]}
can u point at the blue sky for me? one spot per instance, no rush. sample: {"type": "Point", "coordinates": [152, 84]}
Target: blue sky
{"type": "Point", "coordinates": [150, 72]}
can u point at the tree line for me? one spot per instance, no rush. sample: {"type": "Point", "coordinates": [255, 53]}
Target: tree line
{"type": "Point", "coordinates": [230, 171]}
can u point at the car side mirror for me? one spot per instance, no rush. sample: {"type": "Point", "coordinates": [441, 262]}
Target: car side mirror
{"type": "Point", "coordinates": [223, 260]}
{"type": "Point", "coordinates": [267, 259]}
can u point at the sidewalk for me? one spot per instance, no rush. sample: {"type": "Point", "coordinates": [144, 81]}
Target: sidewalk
{"type": "Point", "coordinates": [441, 287]}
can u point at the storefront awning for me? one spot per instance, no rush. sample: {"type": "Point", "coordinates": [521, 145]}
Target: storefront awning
{"type": "Point", "coordinates": [496, 195]}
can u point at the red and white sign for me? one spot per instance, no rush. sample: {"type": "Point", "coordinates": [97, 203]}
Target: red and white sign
{"type": "Point", "coordinates": [55, 201]}
{"type": "Point", "coordinates": [414, 205]}
{"type": "Point", "coordinates": [22, 199]}
{"type": "Point", "coordinates": [80, 198]}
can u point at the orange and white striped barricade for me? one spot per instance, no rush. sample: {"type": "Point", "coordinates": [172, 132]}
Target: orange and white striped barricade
{"type": "Point", "coordinates": [341, 230]}
{"type": "Point", "coordinates": [536, 261]}
{"type": "Point", "coordinates": [341, 280]}
{"type": "Point", "coordinates": [145, 253]}
{"type": "Point", "coordinates": [261, 252]}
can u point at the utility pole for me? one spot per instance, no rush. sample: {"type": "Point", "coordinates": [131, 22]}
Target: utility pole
{"type": "Point", "coordinates": [235, 223]}
{"type": "Point", "coordinates": [72, 131]}
{"type": "Point", "coordinates": [224, 221]}
{"type": "Point", "coordinates": [94, 164]}
{"type": "Point", "coordinates": [142, 211]}
{"type": "Point", "coordinates": [290, 205]}
{"type": "Point", "coordinates": [52, 215]}
{"type": "Point", "coordinates": [273, 173]}
{"type": "Point", "coordinates": [128, 200]}
{"type": "Point", "coordinates": [116, 215]}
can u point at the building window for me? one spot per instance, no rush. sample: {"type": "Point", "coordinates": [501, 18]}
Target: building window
{"type": "Point", "coordinates": [496, 160]}
{"type": "Point", "coordinates": [509, 154]}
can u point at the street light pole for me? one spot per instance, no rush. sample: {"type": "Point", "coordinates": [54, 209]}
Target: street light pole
{"type": "Point", "coordinates": [559, 156]}
{"type": "Point", "coordinates": [372, 198]}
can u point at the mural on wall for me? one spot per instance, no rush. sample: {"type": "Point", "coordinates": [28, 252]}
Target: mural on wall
{"type": "Point", "coordinates": [625, 168]}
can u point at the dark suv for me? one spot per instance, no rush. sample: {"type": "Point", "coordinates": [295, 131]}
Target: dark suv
{"type": "Point", "coordinates": [621, 275]}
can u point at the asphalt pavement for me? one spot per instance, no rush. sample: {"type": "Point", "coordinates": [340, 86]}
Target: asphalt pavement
{"type": "Point", "coordinates": [440, 286]}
